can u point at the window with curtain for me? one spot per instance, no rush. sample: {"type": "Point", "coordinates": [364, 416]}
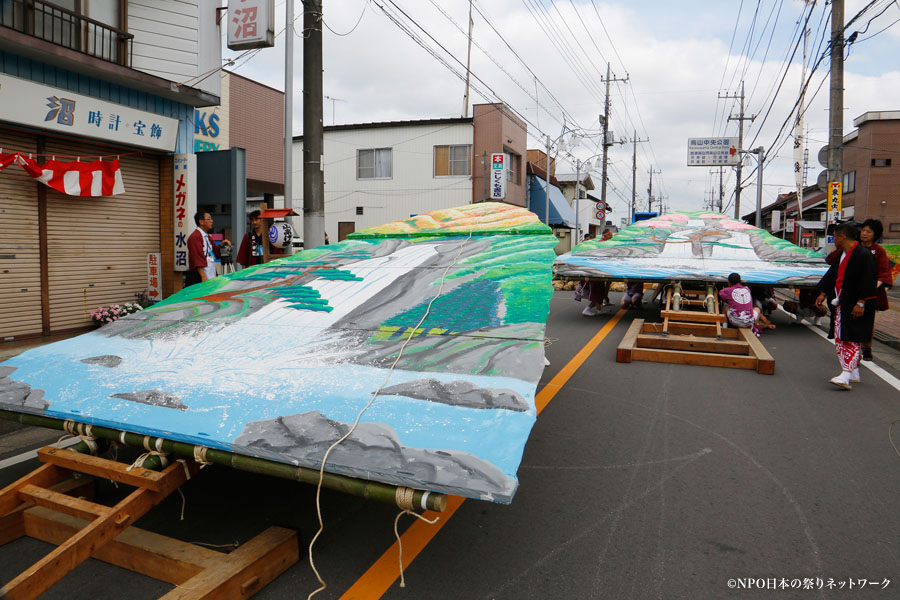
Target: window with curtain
{"type": "Point", "coordinates": [375, 163]}
{"type": "Point", "coordinates": [452, 161]}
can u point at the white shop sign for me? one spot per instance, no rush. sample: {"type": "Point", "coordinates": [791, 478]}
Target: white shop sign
{"type": "Point", "coordinates": [499, 163]}
{"type": "Point", "coordinates": [27, 103]}
{"type": "Point", "coordinates": [184, 190]}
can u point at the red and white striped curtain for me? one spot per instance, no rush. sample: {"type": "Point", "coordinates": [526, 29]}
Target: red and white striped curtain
{"type": "Point", "coordinates": [76, 178]}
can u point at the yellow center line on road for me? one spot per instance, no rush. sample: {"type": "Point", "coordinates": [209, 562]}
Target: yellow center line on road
{"type": "Point", "coordinates": [384, 571]}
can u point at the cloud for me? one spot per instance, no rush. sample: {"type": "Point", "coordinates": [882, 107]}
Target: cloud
{"type": "Point", "coordinates": [677, 62]}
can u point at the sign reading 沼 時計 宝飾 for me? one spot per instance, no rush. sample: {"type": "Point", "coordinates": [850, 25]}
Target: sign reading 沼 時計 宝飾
{"type": "Point", "coordinates": [712, 152]}
{"type": "Point", "coordinates": [251, 24]}
{"type": "Point", "coordinates": [185, 200]}
{"type": "Point", "coordinates": [498, 176]}
{"type": "Point", "coordinates": [44, 107]}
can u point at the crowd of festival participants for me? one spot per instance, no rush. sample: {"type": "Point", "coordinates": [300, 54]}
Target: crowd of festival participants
{"type": "Point", "coordinates": [850, 292]}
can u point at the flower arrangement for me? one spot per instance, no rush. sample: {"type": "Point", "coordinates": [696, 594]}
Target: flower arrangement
{"type": "Point", "coordinates": [142, 298]}
{"type": "Point", "coordinates": [107, 314]}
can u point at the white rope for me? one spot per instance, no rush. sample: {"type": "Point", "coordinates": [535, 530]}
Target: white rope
{"type": "Point", "coordinates": [350, 431]}
{"type": "Point", "coordinates": [400, 541]}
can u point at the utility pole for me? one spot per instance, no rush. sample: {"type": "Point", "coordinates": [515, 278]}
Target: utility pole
{"type": "Point", "coordinates": [465, 110]}
{"type": "Point", "coordinates": [606, 142]}
{"type": "Point", "coordinates": [836, 99]}
{"type": "Point", "coordinates": [289, 114]}
{"type": "Point", "coordinates": [313, 134]}
{"type": "Point", "coordinates": [650, 189]}
{"type": "Point", "coordinates": [721, 187]}
{"type": "Point", "coordinates": [634, 143]}
{"type": "Point", "coordinates": [740, 119]}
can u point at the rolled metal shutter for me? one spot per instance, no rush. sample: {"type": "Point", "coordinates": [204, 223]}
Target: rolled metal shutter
{"type": "Point", "coordinates": [97, 247]}
{"type": "Point", "coordinates": [20, 266]}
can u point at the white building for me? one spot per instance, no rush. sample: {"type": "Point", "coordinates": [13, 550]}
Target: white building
{"type": "Point", "coordinates": [376, 173]}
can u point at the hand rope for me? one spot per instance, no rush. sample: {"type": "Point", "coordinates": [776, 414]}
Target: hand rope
{"type": "Point", "coordinates": [412, 333]}
{"type": "Point", "coordinates": [400, 541]}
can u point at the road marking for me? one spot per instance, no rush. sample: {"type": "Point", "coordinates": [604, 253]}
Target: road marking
{"type": "Point", "coordinates": [376, 581]}
{"type": "Point", "coordinates": [887, 377]}
{"type": "Point", "coordinates": [20, 458]}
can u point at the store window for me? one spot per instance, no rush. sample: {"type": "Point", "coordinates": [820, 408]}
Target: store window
{"type": "Point", "coordinates": [452, 161]}
{"type": "Point", "coordinates": [375, 163]}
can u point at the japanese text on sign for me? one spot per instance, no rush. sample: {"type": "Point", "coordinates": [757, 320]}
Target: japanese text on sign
{"type": "Point", "coordinates": [834, 200]}
{"type": "Point", "coordinates": [184, 193]}
{"type": "Point", "coordinates": [48, 108]}
{"type": "Point", "coordinates": [710, 152]}
{"type": "Point", "coordinates": [154, 276]}
{"type": "Point", "coordinates": [251, 24]}
{"type": "Point", "coordinates": [498, 176]}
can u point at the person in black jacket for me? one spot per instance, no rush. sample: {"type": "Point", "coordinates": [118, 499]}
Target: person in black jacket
{"type": "Point", "coordinates": [850, 285]}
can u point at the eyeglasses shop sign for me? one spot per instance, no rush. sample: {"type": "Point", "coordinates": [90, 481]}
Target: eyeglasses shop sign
{"type": "Point", "coordinates": [499, 163]}
{"type": "Point", "coordinates": [53, 109]}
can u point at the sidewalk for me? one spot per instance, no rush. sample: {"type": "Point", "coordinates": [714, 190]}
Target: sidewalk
{"type": "Point", "coordinates": [887, 326]}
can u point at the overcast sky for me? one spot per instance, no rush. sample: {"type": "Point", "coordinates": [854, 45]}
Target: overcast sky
{"type": "Point", "coordinates": [550, 63]}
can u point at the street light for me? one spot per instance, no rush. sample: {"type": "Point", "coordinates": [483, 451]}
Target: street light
{"type": "Point", "coordinates": [560, 146]}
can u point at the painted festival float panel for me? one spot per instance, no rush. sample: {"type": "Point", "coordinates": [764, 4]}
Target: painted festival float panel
{"type": "Point", "coordinates": [694, 245]}
{"type": "Point", "coordinates": [276, 361]}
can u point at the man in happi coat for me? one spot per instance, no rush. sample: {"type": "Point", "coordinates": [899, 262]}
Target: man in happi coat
{"type": "Point", "coordinates": [850, 286]}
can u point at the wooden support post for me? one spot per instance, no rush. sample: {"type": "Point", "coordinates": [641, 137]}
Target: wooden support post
{"type": "Point", "coordinates": [82, 528]}
{"type": "Point", "coordinates": [626, 346]}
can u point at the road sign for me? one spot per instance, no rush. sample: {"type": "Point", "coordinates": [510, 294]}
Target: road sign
{"type": "Point", "coordinates": [712, 152]}
{"type": "Point", "coordinates": [600, 215]}
{"type": "Point", "coordinates": [600, 205]}
{"type": "Point", "coordinates": [823, 156]}
{"type": "Point", "coordinates": [822, 181]}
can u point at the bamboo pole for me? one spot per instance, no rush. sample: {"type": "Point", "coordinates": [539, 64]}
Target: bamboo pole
{"type": "Point", "coordinates": [373, 490]}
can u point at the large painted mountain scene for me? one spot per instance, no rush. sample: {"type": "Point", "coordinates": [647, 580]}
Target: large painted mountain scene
{"type": "Point", "coordinates": [444, 313]}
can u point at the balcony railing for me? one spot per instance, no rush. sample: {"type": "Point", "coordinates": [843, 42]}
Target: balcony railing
{"type": "Point", "coordinates": [64, 27]}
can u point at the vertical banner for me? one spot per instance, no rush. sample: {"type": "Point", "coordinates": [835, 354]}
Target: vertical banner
{"type": "Point", "coordinates": [776, 221]}
{"type": "Point", "coordinates": [154, 279]}
{"type": "Point", "coordinates": [498, 175]}
{"type": "Point", "coordinates": [185, 195]}
{"type": "Point", "coordinates": [834, 200]}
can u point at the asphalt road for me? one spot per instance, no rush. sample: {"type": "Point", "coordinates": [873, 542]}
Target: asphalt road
{"type": "Point", "coordinates": [640, 480]}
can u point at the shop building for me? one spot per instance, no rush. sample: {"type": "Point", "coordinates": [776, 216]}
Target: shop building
{"type": "Point", "coordinates": [248, 123]}
{"type": "Point", "coordinates": [116, 79]}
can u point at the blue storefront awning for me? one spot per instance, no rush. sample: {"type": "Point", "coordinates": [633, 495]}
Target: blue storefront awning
{"type": "Point", "coordinates": [561, 214]}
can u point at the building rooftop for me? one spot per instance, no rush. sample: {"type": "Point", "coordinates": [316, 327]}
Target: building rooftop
{"type": "Point", "coordinates": [411, 123]}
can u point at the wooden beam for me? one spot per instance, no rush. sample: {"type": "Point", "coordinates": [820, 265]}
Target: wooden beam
{"type": "Point", "coordinates": [691, 316]}
{"type": "Point", "coordinates": [698, 329]}
{"type": "Point", "coordinates": [78, 548]}
{"type": "Point", "coordinates": [693, 343]}
{"type": "Point", "coordinates": [134, 549]}
{"type": "Point", "coordinates": [708, 359]}
{"type": "Point", "coordinates": [92, 465]}
{"type": "Point", "coordinates": [76, 507]}
{"type": "Point", "coordinates": [246, 570]}
{"type": "Point", "coordinates": [623, 352]}
{"type": "Point", "coordinates": [44, 476]}
{"type": "Point", "coordinates": [765, 362]}
{"type": "Point", "coordinates": [12, 526]}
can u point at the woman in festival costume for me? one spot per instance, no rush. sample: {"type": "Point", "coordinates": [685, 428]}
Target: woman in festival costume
{"type": "Point", "coordinates": [741, 312]}
{"type": "Point", "coordinates": [869, 236]}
